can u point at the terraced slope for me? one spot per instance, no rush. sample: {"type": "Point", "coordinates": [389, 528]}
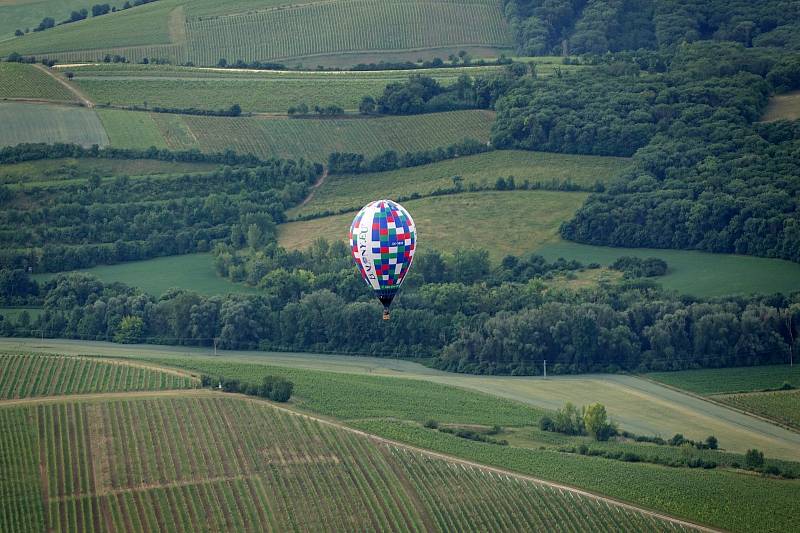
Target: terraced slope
{"type": "Point", "coordinates": [212, 463]}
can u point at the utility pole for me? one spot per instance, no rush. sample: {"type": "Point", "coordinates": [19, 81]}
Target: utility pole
{"type": "Point", "coordinates": [545, 369]}
{"type": "Point", "coordinates": [215, 346]}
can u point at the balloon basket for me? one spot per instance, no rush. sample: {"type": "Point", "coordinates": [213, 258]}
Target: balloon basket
{"type": "Point", "coordinates": [386, 314]}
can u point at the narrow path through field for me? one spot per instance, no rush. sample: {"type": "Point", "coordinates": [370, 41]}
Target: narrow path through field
{"type": "Point", "coordinates": [314, 188]}
{"type": "Point", "coordinates": [388, 442]}
{"type": "Point", "coordinates": [74, 90]}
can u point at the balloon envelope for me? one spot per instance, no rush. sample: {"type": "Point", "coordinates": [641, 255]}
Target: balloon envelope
{"type": "Point", "coordinates": [382, 239]}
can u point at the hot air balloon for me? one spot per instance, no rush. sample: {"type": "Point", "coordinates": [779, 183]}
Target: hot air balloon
{"type": "Point", "coordinates": [382, 240]}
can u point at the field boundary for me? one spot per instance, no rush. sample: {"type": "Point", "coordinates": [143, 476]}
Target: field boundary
{"type": "Point", "coordinates": [75, 91]}
{"type": "Point", "coordinates": [710, 399]}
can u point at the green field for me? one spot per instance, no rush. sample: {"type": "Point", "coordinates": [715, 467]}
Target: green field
{"type": "Point", "coordinates": [709, 381]}
{"type": "Point", "coordinates": [27, 375]}
{"type": "Point", "coordinates": [18, 80]}
{"type": "Point", "coordinates": [133, 465]}
{"type": "Point", "coordinates": [266, 92]}
{"type": "Point", "coordinates": [49, 124]}
{"type": "Point", "coordinates": [181, 31]}
{"type": "Point", "coordinates": [194, 272]}
{"type": "Point", "coordinates": [441, 221]}
{"type": "Point", "coordinates": [698, 273]}
{"type": "Point", "coordinates": [314, 139]}
{"type": "Point", "coordinates": [22, 14]}
{"type": "Point", "coordinates": [783, 107]}
{"type": "Point", "coordinates": [348, 27]}
{"type": "Point", "coordinates": [782, 407]}
{"type": "Point", "coordinates": [67, 170]}
{"type": "Point", "coordinates": [351, 192]}
{"type": "Point", "coordinates": [131, 130]}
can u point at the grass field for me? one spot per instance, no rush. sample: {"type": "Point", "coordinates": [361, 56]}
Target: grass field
{"type": "Point", "coordinates": [194, 272]}
{"type": "Point", "coordinates": [340, 192]}
{"type": "Point", "coordinates": [266, 92]}
{"type": "Point", "coordinates": [698, 273]}
{"type": "Point", "coordinates": [133, 465]}
{"type": "Point", "coordinates": [441, 221]}
{"type": "Point", "coordinates": [783, 406]}
{"type": "Point", "coordinates": [55, 171]}
{"type": "Point", "coordinates": [50, 124]}
{"type": "Point", "coordinates": [783, 107]}
{"type": "Point", "coordinates": [18, 80]}
{"type": "Point", "coordinates": [22, 14]}
{"type": "Point", "coordinates": [731, 380]}
{"type": "Point", "coordinates": [28, 375]}
{"type": "Point", "coordinates": [131, 130]}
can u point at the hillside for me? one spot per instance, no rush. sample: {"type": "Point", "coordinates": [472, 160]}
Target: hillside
{"type": "Point", "coordinates": [202, 34]}
{"type": "Point", "coordinates": [118, 465]}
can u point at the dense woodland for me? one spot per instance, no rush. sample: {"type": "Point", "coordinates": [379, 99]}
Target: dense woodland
{"type": "Point", "coordinates": [544, 27]}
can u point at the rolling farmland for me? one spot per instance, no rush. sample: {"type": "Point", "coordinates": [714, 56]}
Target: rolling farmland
{"type": "Point", "coordinates": [23, 376]}
{"type": "Point", "coordinates": [351, 192]}
{"type": "Point", "coordinates": [266, 92]}
{"type": "Point", "coordinates": [20, 81]}
{"type": "Point", "coordinates": [314, 139]}
{"type": "Point", "coordinates": [33, 123]}
{"type": "Point", "coordinates": [334, 28]}
{"type": "Point", "coordinates": [117, 465]}
{"type": "Point", "coordinates": [493, 209]}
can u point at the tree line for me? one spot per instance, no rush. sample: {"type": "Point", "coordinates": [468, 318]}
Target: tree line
{"type": "Point", "coordinates": [460, 310]}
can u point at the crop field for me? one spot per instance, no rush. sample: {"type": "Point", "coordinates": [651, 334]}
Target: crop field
{"type": "Point", "coordinates": [710, 381]}
{"type": "Point", "coordinates": [21, 14]}
{"type": "Point", "coordinates": [26, 375]}
{"type": "Point", "coordinates": [781, 406]}
{"type": "Point", "coordinates": [18, 80]}
{"type": "Point", "coordinates": [194, 272]}
{"type": "Point", "coordinates": [534, 215]}
{"type": "Point", "coordinates": [783, 107]}
{"type": "Point", "coordinates": [314, 139]}
{"type": "Point", "coordinates": [57, 171]}
{"type": "Point", "coordinates": [351, 192]}
{"type": "Point", "coordinates": [142, 26]}
{"type": "Point", "coordinates": [700, 274]}
{"type": "Point", "coordinates": [357, 26]}
{"type": "Point", "coordinates": [131, 130]}
{"type": "Point", "coordinates": [132, 465]}
{"type": "Point", "coordinates": [268, 92]}
{"type": "Point", "coordinates": [33, 123]}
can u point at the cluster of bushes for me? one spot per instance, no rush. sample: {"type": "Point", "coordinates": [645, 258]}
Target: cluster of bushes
{"type": "Point", "coordinates": [352, 163]}
{"type": "Point", "coordinates": [234, 110]}
{"type": "Point", "coordinates": [15, 57]}
{"type": "Point", "coordinates": [636, 267]}
{"type": "Point", "coordinates": [588, 420]}
{"type": "Point", "coordinates": [255, 65]}
{"type": "Point", "coordinates": [470, 434]}
{"type": "Point", "coordinates": [302, 110]}
{"type": "Point", "coordinates": [460, 59]}
{"type": "Point", "coordinates": [632, 457]}
{"type": "Point", "coordinates": [274, 388]}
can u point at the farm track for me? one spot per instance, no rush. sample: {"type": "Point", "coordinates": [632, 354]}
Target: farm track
{"type": "Point", "coordinates": [314, 188]}
{"type": "Point", "coordinates": [374, 438]}
{"type": "Point", "coordinates": [77, 92]}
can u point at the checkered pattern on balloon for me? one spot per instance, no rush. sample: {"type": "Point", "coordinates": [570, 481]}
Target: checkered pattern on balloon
{"type": "Point", "coordinates": [390, 240]}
